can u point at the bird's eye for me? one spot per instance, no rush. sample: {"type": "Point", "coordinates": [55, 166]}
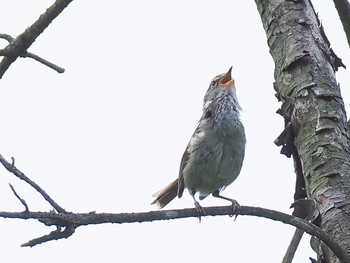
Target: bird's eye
{"type": "Point", "coordinates": [212, 84]}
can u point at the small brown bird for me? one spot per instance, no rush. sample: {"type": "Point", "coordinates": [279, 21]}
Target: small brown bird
{"type": "Point", "coordinates": [214, 156]}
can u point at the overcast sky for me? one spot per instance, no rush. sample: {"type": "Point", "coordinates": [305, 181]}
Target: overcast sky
{"type": "Point", "coordinates": [110, 131]}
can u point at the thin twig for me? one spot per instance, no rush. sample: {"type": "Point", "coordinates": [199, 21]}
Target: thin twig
{"type": "Point", "coordinates": [19, 198]}
{"type": "Point", "coordinates": [54, 235]}
{"type": "Point", "coordinates": [7, 37]}
{"type": "Point", "coordinates": [293, 246]}
{"type": "Point", "coordinates": [7, 52]}
{"type": "Point", "coordinates": [306, 209]}
{"type": "Point", "coordinates": [343, 8]}
{"type": "Point", "coordinates": [45, 62]}
{"type": "Point", "coordinates": [11, 168]}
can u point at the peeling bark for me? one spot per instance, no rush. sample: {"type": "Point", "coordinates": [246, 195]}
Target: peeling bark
{"type": "Point", "coordinates": [316, 133]}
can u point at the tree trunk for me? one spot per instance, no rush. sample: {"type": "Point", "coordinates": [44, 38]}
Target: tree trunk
{"type": "Point", "coordinates": [315, 134]}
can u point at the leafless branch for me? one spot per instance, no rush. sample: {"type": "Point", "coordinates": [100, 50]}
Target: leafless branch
{"type": "Point", "coordinates": [20, 199]}
{"type": "Point", "coordinates": [343, 8]}
{"type": "Point", "coordinates": [54, 235]}
{"type": "Point", "coordinates": [18, 46]}
{"type": "Point", "coordinates": [70, 221]}
{"type": "Point", "coordinates": [7, 37]}
{"type": "Point", "coordinates": [74, 220]}
{"type": "Point", "coordinates": [293, 246]}
{"type": "Point", "coordinates": [45, 62]}
{"type": "Point", "coordinates": [12, 168]}
{"type": "Point", "coordinates": [6, 52]}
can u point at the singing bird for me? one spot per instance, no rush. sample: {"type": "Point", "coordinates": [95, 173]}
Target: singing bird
{"type": "Point", "coordinates": [214, 156]}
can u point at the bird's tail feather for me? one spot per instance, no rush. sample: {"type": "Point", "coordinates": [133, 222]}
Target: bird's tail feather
{"type": "Point", "coordinates": [168, 193]}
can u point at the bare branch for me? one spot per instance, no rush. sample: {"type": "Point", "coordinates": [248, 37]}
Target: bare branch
{"type": "Point", "coordinates": [45, 62]}
{"type": "Point", "coordinates": [70, 221]}
{"type": "Point", "coordinates": [6, 52]}
{"type": "Point", "coordinates": [7, 37]}
{"type": "Point", "coordinates": [20, 199]}
{"type": "Point", "coordinates": [54, 235]}
{"type": "Point", "coordinates": [306, 209]}
{"type": "Point", "coordinates": [293, 246]}
{"type": "Point", "coordinates": [12, 168]}
{"type": "Point", "coordinates": [18, 47]}
{"type": "Point", "coordinates": [74, 220]}
{"type": "Point", "coordinates": [343, 8]}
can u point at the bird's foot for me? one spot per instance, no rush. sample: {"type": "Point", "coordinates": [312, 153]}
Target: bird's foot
{"type": "Point", "coordinates": [236, 208]}
{"type": "Point", "coordinates": [200, 210]}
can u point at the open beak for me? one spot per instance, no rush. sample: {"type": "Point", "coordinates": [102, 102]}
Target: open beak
{"type": "Point", "coordinates": [227, 81]}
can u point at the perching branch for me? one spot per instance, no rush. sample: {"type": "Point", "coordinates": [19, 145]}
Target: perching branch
{"type": "Point", "coordinates": [66, 223]}
{"type": "Point", "coordinates": [73, 220]}
{"type": "Point", "coordinates": [18, 47]}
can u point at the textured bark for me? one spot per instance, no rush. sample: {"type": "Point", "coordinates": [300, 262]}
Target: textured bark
{"type": "Point", "coordinates": [316, 133]}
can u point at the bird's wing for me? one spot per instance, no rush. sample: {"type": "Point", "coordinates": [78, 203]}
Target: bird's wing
{"type": "Point", "coordinates": [181, 182]}
{"type": "Point", "coordinates": [209, 111]}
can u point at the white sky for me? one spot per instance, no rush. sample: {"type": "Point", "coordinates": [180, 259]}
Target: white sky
{"type": "Point", "coordinates": [110, 131]}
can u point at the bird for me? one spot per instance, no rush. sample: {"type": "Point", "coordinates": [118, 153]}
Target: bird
{"type": "Point", "coordinates": [214, 155]}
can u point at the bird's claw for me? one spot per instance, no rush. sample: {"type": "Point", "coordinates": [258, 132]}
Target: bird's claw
{"type": "Point", "coordinates": [236, 208]}
{"type": "Point", "coordinates": [200, 210]}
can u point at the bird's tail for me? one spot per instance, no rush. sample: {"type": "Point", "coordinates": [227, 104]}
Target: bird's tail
{"type": "Point", "coordinates": [164, 196]}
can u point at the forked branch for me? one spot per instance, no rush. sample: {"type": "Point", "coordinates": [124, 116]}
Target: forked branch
{"type": "Point", "coordinates": [12, 168]}
{"type": "Point", "coordinates": [18, 46]}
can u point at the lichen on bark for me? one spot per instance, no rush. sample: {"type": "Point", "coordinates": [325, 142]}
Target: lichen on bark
{"type": "Point", "coordinates": [316, 133]}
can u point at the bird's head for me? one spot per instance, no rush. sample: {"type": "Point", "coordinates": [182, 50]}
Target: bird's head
{"type": "Point", "coordinates": [220, 85]}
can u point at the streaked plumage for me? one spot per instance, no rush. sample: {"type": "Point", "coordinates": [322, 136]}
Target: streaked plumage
{"type": "Point", "coordinates": [214, 156]}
